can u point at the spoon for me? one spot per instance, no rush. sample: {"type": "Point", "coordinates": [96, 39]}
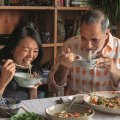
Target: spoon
{"type": "Point", "coordinates": [78, 57]}
{"type": "Point", "coordinates": [69, 106]}
{"type": "Point", "coordinates": [25, 109]}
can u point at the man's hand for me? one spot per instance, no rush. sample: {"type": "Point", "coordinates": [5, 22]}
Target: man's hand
{"type": "Point", "coordinates": [107, 63]}
{"type": "Point", "coordinates": [7, 71]}
{"type": "Point", "coordinates": [104, 62]}
{"type": "Point", "coordinates": [66, 58]}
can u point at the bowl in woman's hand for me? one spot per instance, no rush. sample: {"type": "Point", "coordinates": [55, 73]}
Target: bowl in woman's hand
{"type": "Point", "coordinates": [9, 106]}
{"type": "Point", "coordinates": [24, 79]}
{"type": "Point", "coordinates": [77, 112]}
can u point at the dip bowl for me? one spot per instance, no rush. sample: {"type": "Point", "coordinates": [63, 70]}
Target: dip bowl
{"type": "Point", "coordinates": [9, 106]}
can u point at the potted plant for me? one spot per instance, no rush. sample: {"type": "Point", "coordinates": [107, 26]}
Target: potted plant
{"type": "Point", "coordinates": [110, 7]}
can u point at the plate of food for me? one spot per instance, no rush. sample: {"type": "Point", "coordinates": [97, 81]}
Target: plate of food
{"type": "Point", "coordinates": [104, 101]}
{"type": "Point", "coordinates": [76, 112]}
{"type": "Point", "coordinates": [25, 113]}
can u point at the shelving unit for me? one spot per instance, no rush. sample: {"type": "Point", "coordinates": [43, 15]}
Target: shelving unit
{"type": "Point", "coordinates": [45, 18]}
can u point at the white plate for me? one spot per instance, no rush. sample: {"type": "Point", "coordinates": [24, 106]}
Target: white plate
{"type": "Point", "coordinates": [79, 98]}
{"type": "Point", "coordinates": [107, 94]}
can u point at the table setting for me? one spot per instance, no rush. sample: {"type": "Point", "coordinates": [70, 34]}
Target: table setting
{"type": "Point", "coordinates": [43, 106]}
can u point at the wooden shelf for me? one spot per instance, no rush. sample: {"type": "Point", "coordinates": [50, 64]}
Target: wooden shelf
{"type": "Point", "coordinates": [44, 17]}
{"type": "Point", "coordinates": [27, 8]}
{"type": "Point", "coordinates": [52, 45]}
{"type": "Point", "coordinates": [42, 8]}
{"type": "Point", "coordinates": [73, 8]}
{"type": "Point", "coordinates": [49, 45]}
{"type": "Point", "coordinates": [59, 44]}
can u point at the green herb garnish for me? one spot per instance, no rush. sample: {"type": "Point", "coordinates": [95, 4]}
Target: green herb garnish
{"type": "Point", "coordinates": [27, 116]}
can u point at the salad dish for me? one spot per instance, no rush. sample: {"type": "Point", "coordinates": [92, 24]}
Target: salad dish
{"type": "Point", "coordinates": [104, 101]}
{"type": "Point", "coordinates": [27, 116]}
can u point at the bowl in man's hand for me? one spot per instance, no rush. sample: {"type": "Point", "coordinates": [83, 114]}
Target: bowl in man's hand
{"type": "Point", "coordinates": [88, 63]}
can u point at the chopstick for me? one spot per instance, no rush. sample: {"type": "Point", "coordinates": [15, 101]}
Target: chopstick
{"type": "Point", "coordinates": [77, 56]}
{"type": "Point", "coordinates": [24, 109]}
{"type": "Point", "coordinates": [19, 66]}
{"type": "Point", "coordinates": [90, 55]}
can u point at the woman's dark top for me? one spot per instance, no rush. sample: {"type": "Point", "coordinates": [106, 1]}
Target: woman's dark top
{"type": "Point", "coordinates": [13, 90]}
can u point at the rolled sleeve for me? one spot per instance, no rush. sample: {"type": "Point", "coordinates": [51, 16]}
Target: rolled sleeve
{"type": "Point", "coordinates": [52, 85]}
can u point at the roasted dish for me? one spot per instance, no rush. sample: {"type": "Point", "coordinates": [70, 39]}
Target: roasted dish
{"type": "Point", "coordinates": [113, 102]}
{"type": "Point", "coordinates": [65, 114]}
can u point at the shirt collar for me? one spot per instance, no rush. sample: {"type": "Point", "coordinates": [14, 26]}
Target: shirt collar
{"type": "Point", "coordinates": [110, 41]}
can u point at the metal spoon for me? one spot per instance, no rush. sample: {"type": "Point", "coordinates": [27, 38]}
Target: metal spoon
{"type": "Point", "coordinates": [69, 106]}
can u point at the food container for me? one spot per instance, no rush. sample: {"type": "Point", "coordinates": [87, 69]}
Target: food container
{"type": "Point", "coordinates": [9, 106]}
{"type": "Point", "coordinates": [75, 108]}
{"type": "Point", "coordinates": [24, 79]}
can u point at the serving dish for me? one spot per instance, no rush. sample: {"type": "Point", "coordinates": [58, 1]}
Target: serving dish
{"type": "Point", "coordinates": [52, 112]}
{"type": "Point", "coordinates": [104, 107]}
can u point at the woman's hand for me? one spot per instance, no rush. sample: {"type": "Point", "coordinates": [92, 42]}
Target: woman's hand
{"type": "Point", "coordinates": [7, 71]}
{"type": "Point", "coordinates": [66, 58]}
{"type": "Point", "coordinates": [33, 91]}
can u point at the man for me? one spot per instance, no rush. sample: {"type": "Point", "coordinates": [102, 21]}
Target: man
{"type": "Point", "coordinates": [95, 36]}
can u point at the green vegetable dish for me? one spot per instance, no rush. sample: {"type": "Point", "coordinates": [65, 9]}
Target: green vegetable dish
{"type": "Point", "coordinates": [27, 116]}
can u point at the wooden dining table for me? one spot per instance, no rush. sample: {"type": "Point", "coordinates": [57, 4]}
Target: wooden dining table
{"type": "Point", "coordinates": [39, 105]}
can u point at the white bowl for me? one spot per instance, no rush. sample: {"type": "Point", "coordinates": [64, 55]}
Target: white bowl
{"type": "Point", "coordinates": [24, 80]}
{"type": "Point", "coordinates": [87, 63]}
{"type": "Point", "coordinates": [52, 110]}
{"type": "Point", "coordinates": [78, 99]}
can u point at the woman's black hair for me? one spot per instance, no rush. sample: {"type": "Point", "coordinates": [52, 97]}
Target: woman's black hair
{"type": "Point", "coordinates": [16, 37]}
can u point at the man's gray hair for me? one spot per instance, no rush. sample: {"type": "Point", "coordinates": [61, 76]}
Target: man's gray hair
{"type": "Point", "coordinates": [94, 16]}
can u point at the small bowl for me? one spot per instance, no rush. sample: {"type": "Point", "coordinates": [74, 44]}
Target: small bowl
{"type": "Point", "coordinates": [24, 80]}
{"type": "Point", "coordinates": [52, 110]}
{"type": "Point", "coordinates": [79, 98]}
{"type": "Point", "coordinates": [87, 63]}
{"type": "Point", "coordinates": [9, 106]}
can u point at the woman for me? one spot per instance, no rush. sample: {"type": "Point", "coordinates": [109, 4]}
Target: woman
{"type": "Point", "coordinates": [23, 46]}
